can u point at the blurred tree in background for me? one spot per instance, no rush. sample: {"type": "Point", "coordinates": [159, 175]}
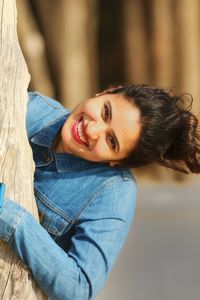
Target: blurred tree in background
{"type": "Point", "coordinates": [74, 49]}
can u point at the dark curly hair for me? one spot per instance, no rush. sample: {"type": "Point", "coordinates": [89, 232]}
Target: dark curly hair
{"type": "Point", "coordinates": [169, 134]}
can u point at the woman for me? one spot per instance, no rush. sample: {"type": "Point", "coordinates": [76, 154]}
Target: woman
{"type": "Point", "coordinates": [83, 187]}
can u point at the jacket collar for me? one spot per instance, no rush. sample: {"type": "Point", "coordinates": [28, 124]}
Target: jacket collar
{"type": "Point", "coordinates": [66, 162]}
{"type": "Point", "coordinates": [46, 135]}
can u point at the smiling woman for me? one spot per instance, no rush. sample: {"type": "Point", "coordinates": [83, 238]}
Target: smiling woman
{"type": "Point", "coordinates": [101, 129]}
{"type": "Point", "coordinates": [84, 189]}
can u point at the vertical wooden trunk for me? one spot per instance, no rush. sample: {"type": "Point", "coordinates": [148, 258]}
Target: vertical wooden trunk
{"type": "Point", "coordinates": [135, 41]}
{"type": "Point", "coordinates": [163, 43]}
{"type": "Point", "coordinates": [16, 164]}
{"type": "Point", "coordinates": [188, 38]}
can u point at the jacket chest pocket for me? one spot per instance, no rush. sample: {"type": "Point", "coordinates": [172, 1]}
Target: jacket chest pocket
{"type": "Point", "coordinates": [52, 220]}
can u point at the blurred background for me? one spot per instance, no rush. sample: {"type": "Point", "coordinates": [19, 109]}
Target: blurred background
{"type": "Point", "coordinates": [76, 48]}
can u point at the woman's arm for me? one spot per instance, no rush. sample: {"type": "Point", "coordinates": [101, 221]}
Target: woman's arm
{"type": "Point", "coordinates": [55, 272]}
{"type": "Point", "coordinates": [82, 271]}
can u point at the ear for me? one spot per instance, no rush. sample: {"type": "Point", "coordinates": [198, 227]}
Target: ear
{"type": "Point", "coordinates": [114, 163]}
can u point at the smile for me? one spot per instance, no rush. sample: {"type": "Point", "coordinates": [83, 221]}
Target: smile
{"type": "Point", "coordinates": [78, 132]}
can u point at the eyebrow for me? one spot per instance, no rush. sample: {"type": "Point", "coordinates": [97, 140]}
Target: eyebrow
{"type": "Point", "coordinates": [116, 140]}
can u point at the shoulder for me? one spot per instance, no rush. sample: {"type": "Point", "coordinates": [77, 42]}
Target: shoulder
{"type": "Point", "coordinates": [101, 179]}
{"type": "Point", "coordinates": [122, 190]}
{"type": "Point", "coordinates": [114, 197]}
{"type": "Point", "coordinates": [36, 99]}
{"type": "Point", "coordinates": [119, 181]}
{"type": "Point", "coordinates": [42, 110]}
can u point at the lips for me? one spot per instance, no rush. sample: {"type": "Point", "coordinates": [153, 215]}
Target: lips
{"type": "Point", "coordinates": [78, 132]}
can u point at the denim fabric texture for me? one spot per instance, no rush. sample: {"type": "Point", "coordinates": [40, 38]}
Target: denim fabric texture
{"type": "Point", "coordinates": [85, 210]}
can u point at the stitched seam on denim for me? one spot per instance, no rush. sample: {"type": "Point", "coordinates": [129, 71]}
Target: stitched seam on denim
{"type": "Point", "coordinates": [47, 125]}
{"type": "Point", "coordinates": [58, 234]}
{"type": "Point", "coordinates": [18, 219]}
{"type": "Point", "coordinates": [75, 168]}
{"type": "Point", "coordinates": [100, 189]}
{"type": "Point", "coordinates": [54, 231]}
{"type": "Point", "coordinates": [54, 107]}
{"type": "Point", "coordinates": [49, 205]}
{"type": "Point", "coordinates": [126, 175]}
{"type": "Point", "coordinates": [39, 164]}
{"type": "Point", "coordinates": [52, 122]}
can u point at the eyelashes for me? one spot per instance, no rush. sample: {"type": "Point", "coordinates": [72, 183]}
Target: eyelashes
{"type": "Point", "coordinates": [106, 112]}
{"type": "Point", "coordinates": [107, 115]}
{"type": "Point", "coordinates": [112, 141]}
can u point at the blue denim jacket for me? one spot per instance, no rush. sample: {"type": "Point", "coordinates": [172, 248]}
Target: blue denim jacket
{"type": "Point", "coordinates": [85, 211]}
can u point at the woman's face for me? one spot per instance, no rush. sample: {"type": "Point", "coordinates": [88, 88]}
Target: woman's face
{"type": "Point", "coordinates": [101, 129]}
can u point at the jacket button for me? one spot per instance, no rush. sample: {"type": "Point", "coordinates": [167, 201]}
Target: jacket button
{"type": "Point", "coordinates": [46, 157]}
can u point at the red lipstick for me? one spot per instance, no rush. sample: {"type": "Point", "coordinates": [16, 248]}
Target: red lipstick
{"type": "Point", "coordinates": [75, 132]}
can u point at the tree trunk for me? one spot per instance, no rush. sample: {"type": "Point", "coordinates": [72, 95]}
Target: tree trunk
{"type": "Point", "coordinates": [136, 44]}
{"type": "Point", "coordinates": [188, 38]}
{"type": "Point", "coordinates": [163, 43]}
{"type": "Point", "coordinates": [16, 164]}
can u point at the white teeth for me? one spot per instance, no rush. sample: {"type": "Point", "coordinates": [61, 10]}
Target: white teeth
{"type": "Point", "coordinates": [80, 133]}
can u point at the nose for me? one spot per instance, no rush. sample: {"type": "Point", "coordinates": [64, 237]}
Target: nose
{"type": "Point", "coordinates": [95, 128]}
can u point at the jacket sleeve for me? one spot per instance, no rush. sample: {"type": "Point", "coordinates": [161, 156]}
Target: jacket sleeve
{"type": "Point", "coordinates": [81, 272]}
{"type": "Point", "coordinates": [53, 269]}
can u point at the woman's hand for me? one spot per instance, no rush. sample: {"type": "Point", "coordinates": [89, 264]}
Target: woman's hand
{"type": "Point", "coordinates": [2, 193]}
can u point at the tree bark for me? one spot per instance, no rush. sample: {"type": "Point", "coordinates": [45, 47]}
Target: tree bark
{"type": "Point", "coordinates": [135, 41]}
{"type": "Point", "coordinates": [163, 43]}
{"type": "Point", "coordinates": [188, 38]}
{"type": "Point", "coordinates": [16, 164]}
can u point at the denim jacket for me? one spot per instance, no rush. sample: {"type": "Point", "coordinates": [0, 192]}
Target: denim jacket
{"type": "Point", "coordinates": [85, 210]}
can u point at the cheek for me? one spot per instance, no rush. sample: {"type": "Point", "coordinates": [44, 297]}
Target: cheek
{"type": "Point", "coordinates": [92, 109]}
{"type": "Point", "coordinates": [66, 135]}
{"type": "Point", "coordinates": [66, 132]}
{"type": "Point", "coordinates": [101, 150]}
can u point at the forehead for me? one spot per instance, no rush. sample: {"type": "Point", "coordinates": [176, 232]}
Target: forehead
{"type": "Point", "coordinates": [125, 120]}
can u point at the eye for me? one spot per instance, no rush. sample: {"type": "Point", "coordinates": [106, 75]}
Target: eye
{"type": "Point", "coordinates": [112, 142]}
{"type": "Point", "coordinates": [107, 116]}
{"type": "Point", "coordinates": [106, 112]}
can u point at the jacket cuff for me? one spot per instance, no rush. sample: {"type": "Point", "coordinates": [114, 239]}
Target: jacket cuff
{"type": "Point", "coordinates": [10, 218]}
